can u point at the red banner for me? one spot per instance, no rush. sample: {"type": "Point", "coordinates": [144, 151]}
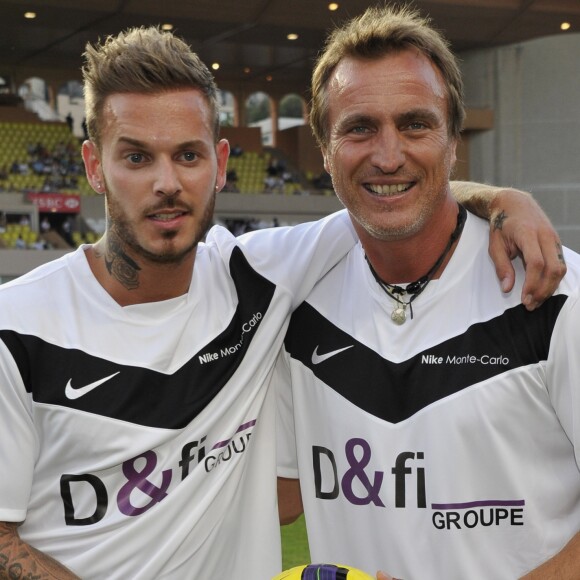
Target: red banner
{"type": "Point", "coordinates": [55, 202]}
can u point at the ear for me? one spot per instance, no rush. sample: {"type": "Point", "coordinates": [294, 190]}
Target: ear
{"type": "Point", "coordinates": [453, 153]}
{"type": "Point", "coordinates": [92, 159]}
{"type": "Point", "coordinates": [222, 150]}
{"type": "Point", "coordinates": [326, 163]}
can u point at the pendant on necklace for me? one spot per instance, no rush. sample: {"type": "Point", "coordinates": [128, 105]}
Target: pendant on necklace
{"type": "Point", "coordinates": [398, 316]}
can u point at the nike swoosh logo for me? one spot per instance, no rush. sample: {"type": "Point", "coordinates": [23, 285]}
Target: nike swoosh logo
{"type": "Point", "coordinates": [318, 358]}
{"type": "Point", "coordinates": [72, 393]}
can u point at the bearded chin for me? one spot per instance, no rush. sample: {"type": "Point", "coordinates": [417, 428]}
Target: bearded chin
{"type": "Point", "coordinates": [124, 232]}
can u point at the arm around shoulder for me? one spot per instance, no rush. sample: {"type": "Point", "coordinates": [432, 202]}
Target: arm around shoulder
{"type": "Point", "coordinates": [518, 227]}
{"type": "Point", "coordinates": [20, 560]}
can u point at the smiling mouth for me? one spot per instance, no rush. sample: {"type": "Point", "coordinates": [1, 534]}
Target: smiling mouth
{"type": "Point", "coordinates": [166, 217]}
{"type": "Point", "coordinates": [387, 190]}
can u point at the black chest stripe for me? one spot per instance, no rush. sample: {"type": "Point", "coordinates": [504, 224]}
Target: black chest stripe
{"type": "Point", "coordinates": [396, 391]}
{"type": "Point", "coordinates": [139, 395]}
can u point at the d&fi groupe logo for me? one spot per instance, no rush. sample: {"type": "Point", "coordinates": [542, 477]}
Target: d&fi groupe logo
{"type": "Point", "coordinates": [403, 486]}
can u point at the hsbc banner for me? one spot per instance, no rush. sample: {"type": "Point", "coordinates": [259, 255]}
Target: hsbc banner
{"type": "Point", "coordinates": [56, 202]}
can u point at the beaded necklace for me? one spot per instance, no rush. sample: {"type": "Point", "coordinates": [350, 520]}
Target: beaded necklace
{"type": "Point", "coordinates": [413, 289]}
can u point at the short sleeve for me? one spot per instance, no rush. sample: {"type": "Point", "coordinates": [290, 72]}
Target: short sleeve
{"type": "Point", "coordinates": [285, 431]}
{"type": "Point", "coordinates": [18, 441]}
{"type": "Point", "coordinates": [563, 371]}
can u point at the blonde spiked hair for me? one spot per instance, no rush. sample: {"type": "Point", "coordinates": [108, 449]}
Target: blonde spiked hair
{"type": "Point", "coordinates": [142, 60]}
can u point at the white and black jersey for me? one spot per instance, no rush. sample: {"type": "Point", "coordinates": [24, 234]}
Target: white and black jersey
{"type": "Point", "coordinates": [443, 448]}
{"type": "Point", "coordinates": [138, 441]}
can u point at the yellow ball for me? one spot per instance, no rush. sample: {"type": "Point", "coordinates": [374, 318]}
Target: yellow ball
{"type": "Point", "coordinates": [323, 572]}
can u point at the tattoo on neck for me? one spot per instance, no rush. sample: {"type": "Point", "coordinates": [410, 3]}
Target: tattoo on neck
{"type": "Point", "coordinates": [498, 220]}
{"type": "Point", "coordinates": [119, 265]}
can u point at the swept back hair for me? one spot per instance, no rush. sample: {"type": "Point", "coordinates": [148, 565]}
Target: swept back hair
{"type": "Point", "coordinates": [142, 60]}
{"type": "Point", "coordinates": [377, 32]}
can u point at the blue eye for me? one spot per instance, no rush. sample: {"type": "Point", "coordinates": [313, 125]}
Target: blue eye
{"type": "Point", "coordinates": [135, 157]}
{"type": "Point", "coordinates": [189, 156]}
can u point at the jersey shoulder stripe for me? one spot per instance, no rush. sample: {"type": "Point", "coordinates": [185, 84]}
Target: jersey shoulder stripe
{"type": "Point", "coordinates": [62, 376]}
{"type": "Point", "coordinates": [514, 339]}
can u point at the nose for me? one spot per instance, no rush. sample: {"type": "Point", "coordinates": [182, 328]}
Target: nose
{"type": "Point", "coordinates": [388, 152]}
{"type": "Point", "coordinates": [167, 180]}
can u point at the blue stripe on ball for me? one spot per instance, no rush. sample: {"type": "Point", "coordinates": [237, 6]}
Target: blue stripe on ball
{"type": "Point", "coordinates": [324, 572]}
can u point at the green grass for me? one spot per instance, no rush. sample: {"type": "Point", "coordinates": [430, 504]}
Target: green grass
{"type": "Point", "coordinates": [294, 544]}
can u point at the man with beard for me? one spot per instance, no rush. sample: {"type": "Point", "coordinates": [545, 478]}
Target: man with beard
{"type": "Point", "coordinates": [138, 429]}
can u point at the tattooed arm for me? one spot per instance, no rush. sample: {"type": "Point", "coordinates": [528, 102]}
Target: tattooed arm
{"type": "Point", "coordinates": [20, 560]}
{"type": "Point", "coordinates": [518, 227]}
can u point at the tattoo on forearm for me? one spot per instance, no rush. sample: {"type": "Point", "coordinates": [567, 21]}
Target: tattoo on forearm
{"type": "Point", "coordinates": [498, 220]}
{"type": "Point", "coordinates": [120, 265]}
{"type": "Point", "coordinates": [19, 560]}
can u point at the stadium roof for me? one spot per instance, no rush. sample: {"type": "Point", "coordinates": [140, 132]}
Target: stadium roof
{"type": "Point", "coordinates": [249, 38]}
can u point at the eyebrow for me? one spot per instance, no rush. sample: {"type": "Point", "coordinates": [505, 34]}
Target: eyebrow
{"type": "Point", "coordinates": [194, 143]}
{"type": "Point", "coordinates": [420, 114]}
{"type": "Point", "coordinates": [354, 120]}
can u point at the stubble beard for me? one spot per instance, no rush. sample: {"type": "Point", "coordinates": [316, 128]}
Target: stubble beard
{"type": "Point", "coordinates": [124, 233]}
{"type": "Point", "coordinates": [386, 226]}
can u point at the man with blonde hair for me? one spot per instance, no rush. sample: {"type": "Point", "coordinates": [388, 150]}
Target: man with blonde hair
{"type": "Point", "coordinates": [138, 428]}
{"type": "Point", "coordinates": [432, 420]}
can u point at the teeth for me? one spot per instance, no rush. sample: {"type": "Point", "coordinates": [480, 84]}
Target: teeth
{"type": "Point", "coordinates": [389, 189]}
{"type": "Point", "coordinates": [166, 216]}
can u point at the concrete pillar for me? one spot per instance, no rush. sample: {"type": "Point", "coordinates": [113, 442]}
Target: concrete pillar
{"type": "Point", "coordinates": [274, 119]}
